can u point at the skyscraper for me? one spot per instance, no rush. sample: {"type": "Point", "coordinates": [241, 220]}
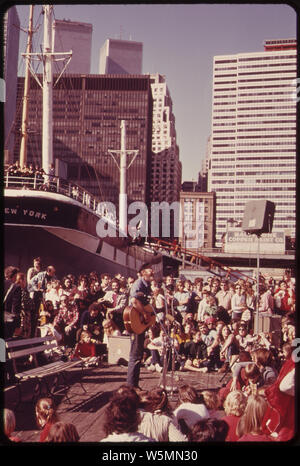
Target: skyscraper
{"type": "Point", "coordinates": [87, 113]}
{"type": "Point", "coordinates": [253, 152]}
{"type": "Point", "coordinates": [121, 57]}
{"type": "Point", "coordinates": [166, 167]}
{"type": "Point", "coordinates": [126, 57]}
{"type": "Point", "coordinates": [11, 51]}
{"type": "Point", "coordinates": [75, 36]}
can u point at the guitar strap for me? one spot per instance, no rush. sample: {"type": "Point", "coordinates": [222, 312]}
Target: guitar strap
{"type": "Point", "coordinates": [8, 316]}
{"type": "Point", "coordinates": [7, 293]}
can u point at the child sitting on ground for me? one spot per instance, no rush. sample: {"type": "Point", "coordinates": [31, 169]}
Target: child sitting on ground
{"type": "Point", "coordinates": [212, 403]}
{"type": "Point", "coordinates": [45, 413]}
{"type": "Point", "coordinates": [9, 425]}
{"type": "Point", "coordinates": [86, 350]}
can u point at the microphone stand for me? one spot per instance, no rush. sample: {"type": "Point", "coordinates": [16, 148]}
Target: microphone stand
{"type": "Point", "coordinates": [168, 342]}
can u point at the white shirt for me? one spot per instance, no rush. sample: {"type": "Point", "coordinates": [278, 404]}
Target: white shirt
{"type": "Point", "coordinates": [201, 308]}
{"type": "Point", "coordinates": [237, 302]}
{"type": "Point", "coordinates": [191, 413]}
{"type": "Point", "coordinates": [160, 427]}
{"type": "Point", "coordinates": [127, 437]}
{"type": "Point", "coordinates": [287, 385]}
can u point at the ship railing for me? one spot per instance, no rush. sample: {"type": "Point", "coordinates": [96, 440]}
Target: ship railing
{"type": "Point", "coordinates": [55, 184]}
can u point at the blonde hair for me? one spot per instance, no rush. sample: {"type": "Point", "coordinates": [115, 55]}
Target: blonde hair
{"type": "Point", "coordinates": [45, 411]}
{"type": "Point", "coordinates": [9, 422]}
{"type": "Point", "coordinates": [251, 421]}
{"type": "Point", "coordinates": [211, 399]}
{"type": "Point", "coordinates": [84, 334]}
{"type": "Point", "coordinates": [235, 403]}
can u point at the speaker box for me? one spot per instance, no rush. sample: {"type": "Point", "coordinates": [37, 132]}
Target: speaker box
{"type": "Point", "coordinates": [118, 348]}
{"type": "Point", "coordinates": [258, 217]}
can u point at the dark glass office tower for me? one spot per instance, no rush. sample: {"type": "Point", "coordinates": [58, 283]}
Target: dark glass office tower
{"type": "Point", "coordinates": [87, 113]}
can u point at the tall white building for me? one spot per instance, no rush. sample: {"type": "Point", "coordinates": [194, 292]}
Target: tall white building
{"type": "Point", "coordinates": [121, 57]}
{"type": "Point", "coordinates": [253, 153]}
{"type": "Point", "coordinates": [76, 36]}
{"type": "Point", "coordinates": [166, 167]}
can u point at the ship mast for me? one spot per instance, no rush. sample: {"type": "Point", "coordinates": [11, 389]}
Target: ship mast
{"type": "Point", "coordinates": [123, 178]}
{"type": "Point", "coordinates": [24, 140]}
{"type": "Point", "coordinates": [47, 141]}
{"type": "Point", "coordinates": [46, 58]}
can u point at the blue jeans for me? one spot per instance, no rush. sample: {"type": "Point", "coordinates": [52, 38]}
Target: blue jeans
{"type": "Point", "coordinates": [135, 359]}
{"type": "Point", "coordinates": [155, 357]}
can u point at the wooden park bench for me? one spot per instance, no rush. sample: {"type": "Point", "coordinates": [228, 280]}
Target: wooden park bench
{"type": "Point", "coordinates": [38, 350]}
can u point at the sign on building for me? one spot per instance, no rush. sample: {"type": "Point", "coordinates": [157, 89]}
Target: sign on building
{"type": "Point", "coordinates": [240, 242]}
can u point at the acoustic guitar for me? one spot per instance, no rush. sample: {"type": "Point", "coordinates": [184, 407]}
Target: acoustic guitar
{"type": "Point", "coordinates": [135, 322]}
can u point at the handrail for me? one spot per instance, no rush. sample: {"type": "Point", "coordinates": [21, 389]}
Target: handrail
{"type": "Point", "coordinates": [55, 185]}
{"type": "Point", "coordinates": [212, 262]}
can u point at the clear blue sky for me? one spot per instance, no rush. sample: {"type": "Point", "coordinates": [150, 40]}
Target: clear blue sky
{"type": "Point", "coordinates": [180, 41]}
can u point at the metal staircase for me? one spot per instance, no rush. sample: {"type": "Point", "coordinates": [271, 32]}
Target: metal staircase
{"type": "Point", "coordinates": [194, 259]}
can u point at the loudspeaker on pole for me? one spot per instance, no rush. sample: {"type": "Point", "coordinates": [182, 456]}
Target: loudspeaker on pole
{"type": "Point", "coordinates": [258, 217]}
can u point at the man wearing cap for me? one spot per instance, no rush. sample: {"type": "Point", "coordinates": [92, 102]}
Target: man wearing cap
{"type": "Point", "coordinates": [140, 294]}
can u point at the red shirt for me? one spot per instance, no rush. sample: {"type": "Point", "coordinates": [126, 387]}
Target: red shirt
{"type": "Point", "coordinates": [85, 350]}
{"type": "Point", "coordinates": [282, 404]}
{"type": "Point", "coordinates": [45, 431]}
{"type": "Point", "coordinates": [232, 422]}
{"type": "Point", "coordinates": [255, 438]}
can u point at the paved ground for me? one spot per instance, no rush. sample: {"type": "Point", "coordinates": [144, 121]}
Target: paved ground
{"type": "Point", "coordinates": [85, 409]}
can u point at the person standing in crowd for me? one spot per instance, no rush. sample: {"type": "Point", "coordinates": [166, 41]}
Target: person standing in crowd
{"type": "Point", "coordinates": [202, 305]}
{"type": "Point", "coordinates": [159, 301]}
{"type": "Point", "coordinates": [198, 285]}
{"type": "Point", "coordinates": [282, 299]}
{"type": "Point", "coordinates": [105, 282]}
{"type": "Point", "coordinates": [11, 301]}
{"type": "Point", "coordinates": [39, 285]}
{"type": "Point", "coordinates": [266, 300]}
{"type": "Point", "coordinates": [29, 319]}
{"type": "Point", "coordinates": [34, 270]}
{"type": "Point", "coordinates": [238, 303]}
{"type": "Point", "coordinates": [140, 294]}
{"type": "Point", "coordinates": [181, 301]}
{"type": "Point", "coordinates": [224, 296]}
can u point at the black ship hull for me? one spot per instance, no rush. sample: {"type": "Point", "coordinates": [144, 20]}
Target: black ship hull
{"type": "Point", "coordinates": [64, 234]}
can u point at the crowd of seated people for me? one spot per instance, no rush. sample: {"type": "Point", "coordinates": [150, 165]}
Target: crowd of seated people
{"type": "Point", "coordinates": [210, 323]}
